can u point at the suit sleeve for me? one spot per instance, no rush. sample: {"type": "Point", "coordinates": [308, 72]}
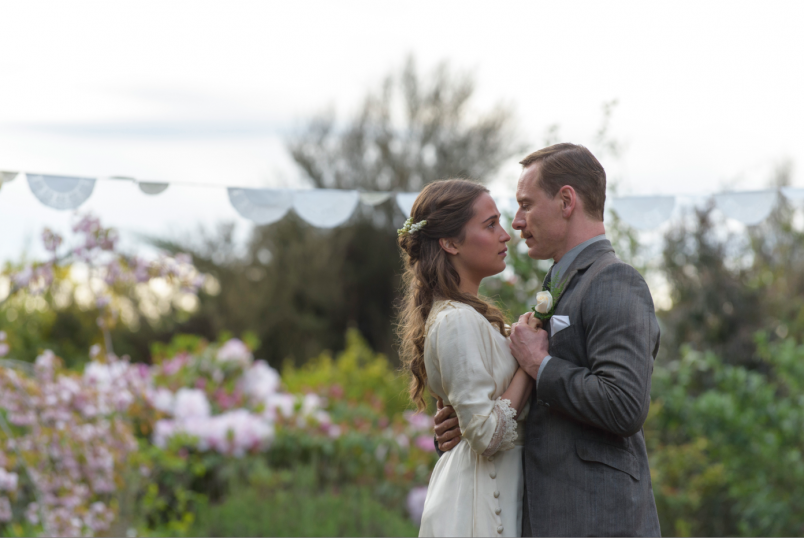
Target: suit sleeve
{"type": "Point", "coordinates": [622, 337]}
{"type": "Point", "coordinates": [488, 424]}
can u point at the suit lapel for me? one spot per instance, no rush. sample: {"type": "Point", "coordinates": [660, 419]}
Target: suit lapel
{"type": "Point", "coordinates": [586, 258]}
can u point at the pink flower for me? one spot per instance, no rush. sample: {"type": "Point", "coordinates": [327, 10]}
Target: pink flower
{"type": "Point", "coordinates": [32, 513]}
{"type": "Point", "coordinates": [191, 403]}
{"type": "Point", "coordinates": [175, 364]}
{"type": "Point", "coordinates": [163, 430]}
{"type": "Point", "coordinates": [261, 381]}
{"type": "Point", "coordinates": [3, 349]}
{"type": "Point", "coordinates": [419, 421]}
{"type": "Point", "coordinates": [44, 365]}
{"type": "Point", "coordinates": [183, 258]}
{"type": "Point", "coordinates": [425, 443]}
{"type": "Point", "coordinates": [141, 270]}
{"type": "Point", "coordinates": [143, 370]}
{"type": "Point", "coordinates": [235, 350]}
{"type": "Point", "coordinates": [8, 481]}
{"type": "Point", "coordinates": [5, 509]}
{"type": "Point", "coordinates": [225, 400]}
{"type": "Point", "coordinates": [415, 503]}
{"type": "Point", "coordinates": [162, 399]}
{"type": "Point", "coordinates": [22, 278]}
{"type": "Point", "coordinates": [51, 240]}
{"type": "Point", "coordinates": [282, 402]}
{"type": "Point", "coordinates": [336, 391]}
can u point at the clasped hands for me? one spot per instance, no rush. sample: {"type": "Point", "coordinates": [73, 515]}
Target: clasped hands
{"type": "Point", "coordinates": [529, 346]}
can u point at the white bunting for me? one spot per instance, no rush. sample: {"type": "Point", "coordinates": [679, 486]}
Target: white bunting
{"type": "Point", "coordinates": [152, 188]}
{"type": "Point", "coordinates": [793, 194]}
{"type": "Point", "coordinates": [61, 192]}
{"type": "Point", "coordinates": [263, 206]}
{"type": "Point", "coordinates": [325, 208]}
{"type": "Point", "coordinates": [405, 201]}
{"type": "Point", "coordinates": [750, 208]}
{"type": "Point", "coordinates": [5, 177]}
{"type": "Point", "coordinates": [374, 198]}
{"type": "Point", "coordinates": [643, 212]}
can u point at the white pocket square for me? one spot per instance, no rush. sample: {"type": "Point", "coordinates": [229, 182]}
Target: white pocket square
{"type": "Point", "coordinates": [558, 323]}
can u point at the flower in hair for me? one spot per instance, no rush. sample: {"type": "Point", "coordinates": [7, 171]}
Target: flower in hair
{"type": "Point", "coordinates": [410, 228]}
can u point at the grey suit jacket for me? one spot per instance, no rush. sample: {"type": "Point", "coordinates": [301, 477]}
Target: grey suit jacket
{"type": "Point", "coordinates": [585, 463]}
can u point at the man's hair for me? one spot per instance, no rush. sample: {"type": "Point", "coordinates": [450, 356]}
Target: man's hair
{"type": "Point", "coordinates": [573, 165]}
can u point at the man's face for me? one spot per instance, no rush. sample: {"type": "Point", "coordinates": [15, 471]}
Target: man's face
{"type": "Point", "coordinates": [539, 218]}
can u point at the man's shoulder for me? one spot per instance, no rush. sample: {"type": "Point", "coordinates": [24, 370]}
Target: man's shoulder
{"type": "Point", "coordinates": [613, 268]}
{"type": "Point", "coordinates": [618, 278]}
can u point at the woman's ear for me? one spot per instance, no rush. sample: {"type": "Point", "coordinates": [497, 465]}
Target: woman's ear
{"type": "Point", "coordinates": [448, 245]}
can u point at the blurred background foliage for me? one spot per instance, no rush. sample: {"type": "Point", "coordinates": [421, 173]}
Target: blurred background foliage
{"type": "Point", "coordinates": [726, 427]}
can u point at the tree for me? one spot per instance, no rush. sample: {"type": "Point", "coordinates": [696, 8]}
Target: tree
{"type": "Point", "coordinates": [726, 286]}
{"type": "Point", "coordinates": [300, 288]}
{"type": "Point", "coordinates": [410, 131]}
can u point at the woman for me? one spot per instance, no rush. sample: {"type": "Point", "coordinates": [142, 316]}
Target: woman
{"type": "Point", "coordinates": [455, 345]}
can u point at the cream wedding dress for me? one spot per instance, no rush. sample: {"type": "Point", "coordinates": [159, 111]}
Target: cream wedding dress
{"type": "Point", "coordinates": [476, 488]}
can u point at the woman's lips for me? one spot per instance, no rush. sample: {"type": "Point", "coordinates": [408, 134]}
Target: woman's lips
{"type": "Point", "coordinates": [503, 251]}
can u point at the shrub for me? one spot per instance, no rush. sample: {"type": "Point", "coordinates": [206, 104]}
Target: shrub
{"type": "Point", "coordinates": [292, 503]}
{"type": "Point", "coordinates": [725, 444]}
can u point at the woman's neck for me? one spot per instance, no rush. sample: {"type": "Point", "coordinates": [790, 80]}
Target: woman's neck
{"type": "Point", "coordinates": [469, 285]}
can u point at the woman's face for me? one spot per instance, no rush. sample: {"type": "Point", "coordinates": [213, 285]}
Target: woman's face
{"type": "Point", "coordinates": [482, 251]}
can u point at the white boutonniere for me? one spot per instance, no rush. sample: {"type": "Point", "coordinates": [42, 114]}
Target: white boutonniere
{"type": "Point", "coordinates": [546, 300]}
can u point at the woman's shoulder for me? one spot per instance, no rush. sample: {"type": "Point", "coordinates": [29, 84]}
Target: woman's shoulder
{"type": "Point", "coordinates": [453, 314]}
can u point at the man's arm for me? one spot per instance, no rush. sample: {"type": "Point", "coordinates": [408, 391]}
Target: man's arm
{"type": "Point", "coordinates": [622, 336]}
{"type": "Point", "coordinates": [447, 432]}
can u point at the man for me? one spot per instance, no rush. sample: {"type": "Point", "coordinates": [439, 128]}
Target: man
{"type": "Point", "coordinates": [585, 464]}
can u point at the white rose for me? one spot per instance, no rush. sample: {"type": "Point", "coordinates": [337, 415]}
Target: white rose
{"type": "Point", "coordinates": [544, 302]}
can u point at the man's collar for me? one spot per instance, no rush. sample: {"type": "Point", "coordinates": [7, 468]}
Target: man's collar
{"type": "Point", "coordinates": [564, 264]}
{"type": "Point", "coordinates": [582, 261]}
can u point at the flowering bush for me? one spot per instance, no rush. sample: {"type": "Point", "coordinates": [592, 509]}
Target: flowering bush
{"type": "Point", "coordinates": [217, 398]}
{"type": "Point", "coordinates": [150, 445]}
{"type": "Point", "coordinates": [109, 288]}
{"type": "Point", "coordinates": [69, 435]}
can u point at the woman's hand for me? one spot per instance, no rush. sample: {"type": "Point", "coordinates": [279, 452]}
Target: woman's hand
{"type": "Point", "coordinates": [530, 320]}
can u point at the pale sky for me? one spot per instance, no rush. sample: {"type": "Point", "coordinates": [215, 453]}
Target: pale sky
{"type": "Point", "coordinates": [709, 92]}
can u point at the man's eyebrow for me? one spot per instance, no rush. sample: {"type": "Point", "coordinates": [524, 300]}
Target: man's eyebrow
{"type": "Point", "coordinates": [492, 217]}
{"type": "Point", "coordinates": [522, 199]}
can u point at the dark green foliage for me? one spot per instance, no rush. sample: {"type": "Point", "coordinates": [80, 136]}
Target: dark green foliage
{"type": "Point", "coordinates": [716, 301]}
{"type": "Point", "coordinates": [726, 443]}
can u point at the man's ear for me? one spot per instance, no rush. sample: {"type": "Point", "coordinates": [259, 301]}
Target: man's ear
{"type": "Point", "coordinates": [448, 245]}
{"type": "Point", "coordinates": [569, 200]}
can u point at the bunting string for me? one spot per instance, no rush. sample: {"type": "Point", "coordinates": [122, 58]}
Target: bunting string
{"type": "Point", "coordinates": [328, 208]}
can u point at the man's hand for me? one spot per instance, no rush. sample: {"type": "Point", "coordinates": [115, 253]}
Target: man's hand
{"type": "Point", "coordinates": [448, 434]}
{"type": "Point", "coordinates": [529, 345]}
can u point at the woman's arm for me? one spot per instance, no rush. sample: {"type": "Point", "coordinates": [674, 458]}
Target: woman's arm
{"type": "Point", "coordinates": [518, 392]}
{"type": "Point", "coordinates": [489, 425]}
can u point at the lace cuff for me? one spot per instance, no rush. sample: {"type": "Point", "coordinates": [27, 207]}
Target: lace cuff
{"type": "Point", "coordinates": [505, 433]}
